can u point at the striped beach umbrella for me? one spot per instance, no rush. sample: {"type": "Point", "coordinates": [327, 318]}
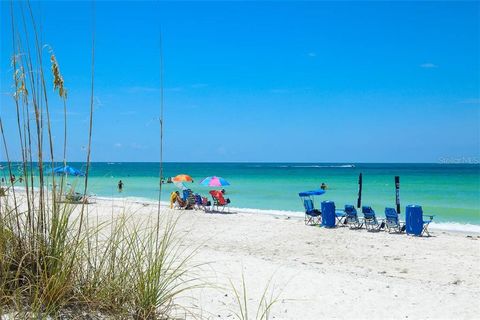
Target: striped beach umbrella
{"type": "Point", "coordinates": [214, 182]}
{"type": "Point", "coordinates": [182, 178]}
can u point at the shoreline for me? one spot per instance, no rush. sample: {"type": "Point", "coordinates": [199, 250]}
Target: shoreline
{"type": "Point", "coordinates": [450, 226]}
{"type": "Point", "coordinates": [457, 227]}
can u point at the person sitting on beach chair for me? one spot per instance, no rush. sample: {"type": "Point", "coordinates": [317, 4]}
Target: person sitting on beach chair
{"type": "Point", "coordinates": [190, 200]}
{"type": "Point", "coordinates": [176, 202]}
{"type": "Point", "coordinates": [173, 198]}
{"type": "Point", "coordinates": [219, 200]}
{"type": "Point", "coordinates": [180, 204]}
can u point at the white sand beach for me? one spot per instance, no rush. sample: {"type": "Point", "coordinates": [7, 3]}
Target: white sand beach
{"type": "Point", "coordinates": [322, 273]}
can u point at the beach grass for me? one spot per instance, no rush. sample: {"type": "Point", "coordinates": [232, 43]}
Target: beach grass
{"type": "Point", "coordinates": [267, 300]}
{"type": "Point", "coordinates": [54, 256]}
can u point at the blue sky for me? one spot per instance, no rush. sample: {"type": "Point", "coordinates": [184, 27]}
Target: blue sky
{"type": "Point", "coordinates": [273, 81]}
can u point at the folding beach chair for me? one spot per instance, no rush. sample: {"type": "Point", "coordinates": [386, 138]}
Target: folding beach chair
{"type": "Point", "coordinates": [219, 201]}
{"type": "Point", "coordinates": [206, 204]}
{"type": "Point", "coordinates": [416, 222]}
{"type": "Point", "coordinates": [198, 202]}
{"type": "Point", "coordinates": [201, 203]}
{"type": "Point", "coordinates": [185, 194]}
{"type": "Point", "coordinates": [312, 215]}
{"type": "Point", "coordinates": [176, 201]}
{"type": "Point", "coordinates": [191, 201]}
{"type": "Point", "coordinates": [340, 217]}
{"type": "Point", "coordinates": [351, 217]}
{"type": "Point", "coordinates": [331, 217]}
{"type": "Point", "coordinates": [370, 220]}
{"type": "Point", "coordinates": [74, 197]}
{"type": "Point", "coordinates": [426, 223]}
{"type": "Point", "coordinates": [179, 204]}
{"type": "Point", "coordinates": [392, 222]}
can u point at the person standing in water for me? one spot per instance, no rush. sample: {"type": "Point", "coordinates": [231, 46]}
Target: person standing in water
{"type": "Point", "coordinates": [120, 186]}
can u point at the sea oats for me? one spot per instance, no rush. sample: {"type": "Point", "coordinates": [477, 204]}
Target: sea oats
{"type": "Point", "coordinates": [57, 78]}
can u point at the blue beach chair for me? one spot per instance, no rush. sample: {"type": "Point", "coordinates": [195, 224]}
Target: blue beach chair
{"type": "Point", "coordinates": [340, 216]}
{"type": "Point", "coordinates": [351, 217]}
{"type": "Point", "coordinates": [185, 194]}
{"type": "Point", "coordinates": [392, 222]}
{"type": "Point", "coordinates": [416, 222]}
{"type": "Point", "coordinates": [331, 217]}
{"type": "Point", "coordinates": [426, 223]}
{"type": "Point", "coordinates": [328, 214]}
{"type": "Point", "coordinates": [312, 215]}
{"type": "Point", "coordinates": [370, 220]}
{"type": "Point", "coordinates": [189, 199]}
{"type": "Point", "coordinates": [199, 205]}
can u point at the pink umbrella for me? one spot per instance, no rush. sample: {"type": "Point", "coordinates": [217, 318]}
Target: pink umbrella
{"type": "Point", "coordinates": [214, 182]}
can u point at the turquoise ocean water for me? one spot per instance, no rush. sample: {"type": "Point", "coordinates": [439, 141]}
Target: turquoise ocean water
{"type": "Point", "coordinates": [450, 191]}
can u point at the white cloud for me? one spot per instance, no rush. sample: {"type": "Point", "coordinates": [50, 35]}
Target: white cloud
{"type": "Point", "coordinates": [428, 65]}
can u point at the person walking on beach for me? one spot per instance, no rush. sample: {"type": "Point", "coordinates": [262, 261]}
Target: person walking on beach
{"type": "Point", "coordinates": [120, 186]}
